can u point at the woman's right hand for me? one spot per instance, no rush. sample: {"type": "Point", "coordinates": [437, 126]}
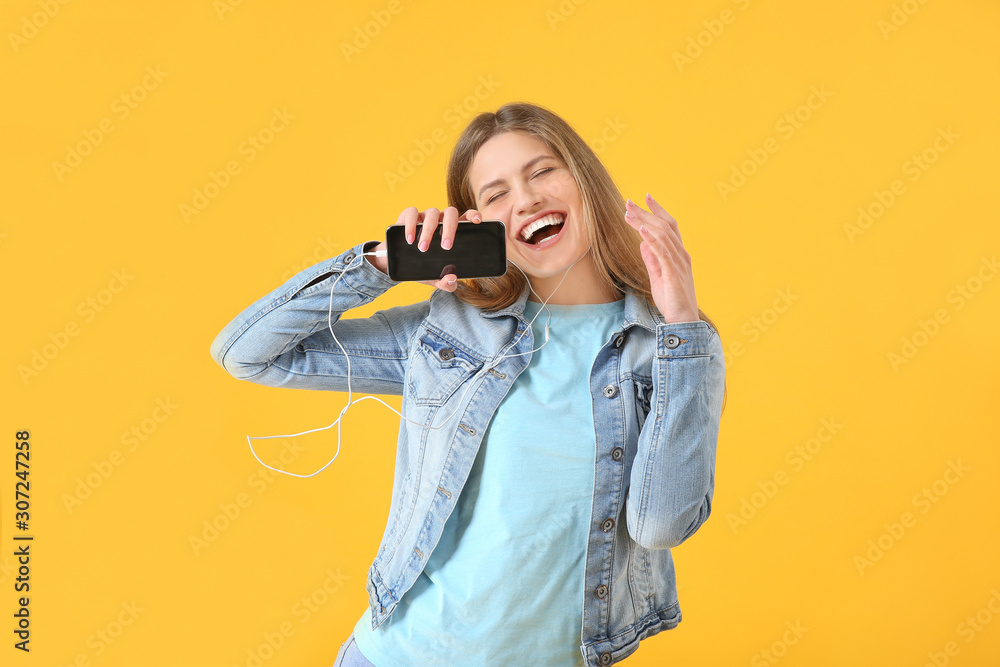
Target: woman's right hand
{"type": "Point", "coordinates": [428, 221]}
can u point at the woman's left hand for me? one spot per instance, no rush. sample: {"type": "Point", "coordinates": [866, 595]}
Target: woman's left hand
{"type": "Point", "coordinates": [668, 263]}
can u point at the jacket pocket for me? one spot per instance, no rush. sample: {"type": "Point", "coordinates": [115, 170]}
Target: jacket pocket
{"type": "Point", "coordinates": [438, 367]}
{"type": "Point", "coordinates": [643, 396]}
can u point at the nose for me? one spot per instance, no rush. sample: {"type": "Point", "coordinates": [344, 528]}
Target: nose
{"type": "Point", "coordinates": [528, 199]}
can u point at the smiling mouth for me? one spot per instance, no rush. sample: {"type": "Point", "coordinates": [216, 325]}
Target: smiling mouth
{"type": "Point", "coordinates": [542, 229]}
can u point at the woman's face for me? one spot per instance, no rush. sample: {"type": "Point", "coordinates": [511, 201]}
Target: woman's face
{"type": "Point", "coordinates": [517, 178]}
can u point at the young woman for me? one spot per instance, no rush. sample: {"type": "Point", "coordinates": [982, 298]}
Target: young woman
{"type": "Point", "coordinates": [560, 422]}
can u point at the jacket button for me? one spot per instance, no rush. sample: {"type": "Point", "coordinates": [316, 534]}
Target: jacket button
{"type": "Point", "coordinates": [447, 354]}
{"type": "Point", "coordinates": [348, 258]}
{"type": "Point", "coordinates": [619, 340]}
{"type": "Point", "coordinates": [672, 340]}
{"type": "Point", "coordinates": [606, 658]}
{"type": "Point", "coordinates": [602, 591]}
{"type": "Point", "coordinates": [617, 453]}
{"type": "Point", "coordinates": [610, 390]}
{"type": "Point", "coordinates": [607, 525]}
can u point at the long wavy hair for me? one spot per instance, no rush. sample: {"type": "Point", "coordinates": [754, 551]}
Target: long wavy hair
{"type": "Point", "coordinates": [614, 243]}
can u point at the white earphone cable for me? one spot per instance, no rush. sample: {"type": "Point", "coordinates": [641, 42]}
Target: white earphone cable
{"type": "Point", "coordinates": [486, 367]}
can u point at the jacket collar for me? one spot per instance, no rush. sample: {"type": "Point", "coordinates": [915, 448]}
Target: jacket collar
{"type": "Point", "coordinates": [638, 311]}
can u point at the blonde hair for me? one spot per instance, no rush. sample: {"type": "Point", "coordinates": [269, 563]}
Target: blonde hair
{"type": "Point", "coordinates": [614, 244]}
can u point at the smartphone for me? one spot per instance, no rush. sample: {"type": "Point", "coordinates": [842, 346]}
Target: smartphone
{"type": "Point", "coordinates": [478, 251]}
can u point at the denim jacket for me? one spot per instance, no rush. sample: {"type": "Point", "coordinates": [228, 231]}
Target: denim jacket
{"type": "Point", "coordinates": [657, 398]}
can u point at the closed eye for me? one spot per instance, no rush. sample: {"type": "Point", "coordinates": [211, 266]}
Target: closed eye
{"type": "Point", "coordinates": [537, 173]}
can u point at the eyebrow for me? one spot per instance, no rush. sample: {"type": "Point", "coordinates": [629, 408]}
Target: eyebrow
{"type": "Point", "coordinates": [527, 165]}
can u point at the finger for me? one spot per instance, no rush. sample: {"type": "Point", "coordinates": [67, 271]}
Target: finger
{"type": "Point", "coordinates": [651, 261]}
{"type": "Point", "coordinates": [635, 215]}
{"type": "Point", "coordinates": [408, 218]}
{"type": "Point", "coordinates": [661, 237]}
{"type": "Point", "coordinates": [669, 239]}
{"type": "Point", "coordinates": [655, 207]}
{"type": "Point", "coordinates": [427, 228]}
{"type": "Point", "coordinates": [448, 283]}
{"type": "Point", "coordinates": [663, 230]}
{"type": "Point", "coordinates": [646, 217]}
{"type": "Point", "coordinates": [642, 221]}
{"type": "Point", "coordinates": [473, 216]}
{"type": "Point", "coordinates": [661, 212]}
{"type": "Point", "coordinates": [450, 225]}
{"type": "Point", "coordinates": [657, 248]}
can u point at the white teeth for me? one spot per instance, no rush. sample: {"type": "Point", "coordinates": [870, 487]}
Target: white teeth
{"type": "Point", "coordinates": [550, 219]}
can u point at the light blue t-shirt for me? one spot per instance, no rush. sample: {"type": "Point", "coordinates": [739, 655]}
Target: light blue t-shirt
{"type": "Point", "coordinates": [504, 586]}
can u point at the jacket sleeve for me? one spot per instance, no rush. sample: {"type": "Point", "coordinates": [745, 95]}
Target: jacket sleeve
{"type": "Point", "coordinates": [283, 339]}
{"type": "Point", "coordinates": [673, 475]}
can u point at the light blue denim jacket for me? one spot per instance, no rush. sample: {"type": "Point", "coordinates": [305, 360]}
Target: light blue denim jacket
{"type": "Point", "coordinates": [657, 399]}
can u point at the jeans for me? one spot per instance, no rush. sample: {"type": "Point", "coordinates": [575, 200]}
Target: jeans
{"type": "Point", "coordinates": [350, 655]}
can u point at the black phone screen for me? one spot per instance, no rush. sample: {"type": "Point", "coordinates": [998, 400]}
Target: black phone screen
{"type": "Point", "coordinates": [479, 251]}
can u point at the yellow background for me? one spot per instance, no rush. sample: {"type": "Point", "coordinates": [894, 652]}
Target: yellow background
{"type": "Point", "coordinates": [320, 186]}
